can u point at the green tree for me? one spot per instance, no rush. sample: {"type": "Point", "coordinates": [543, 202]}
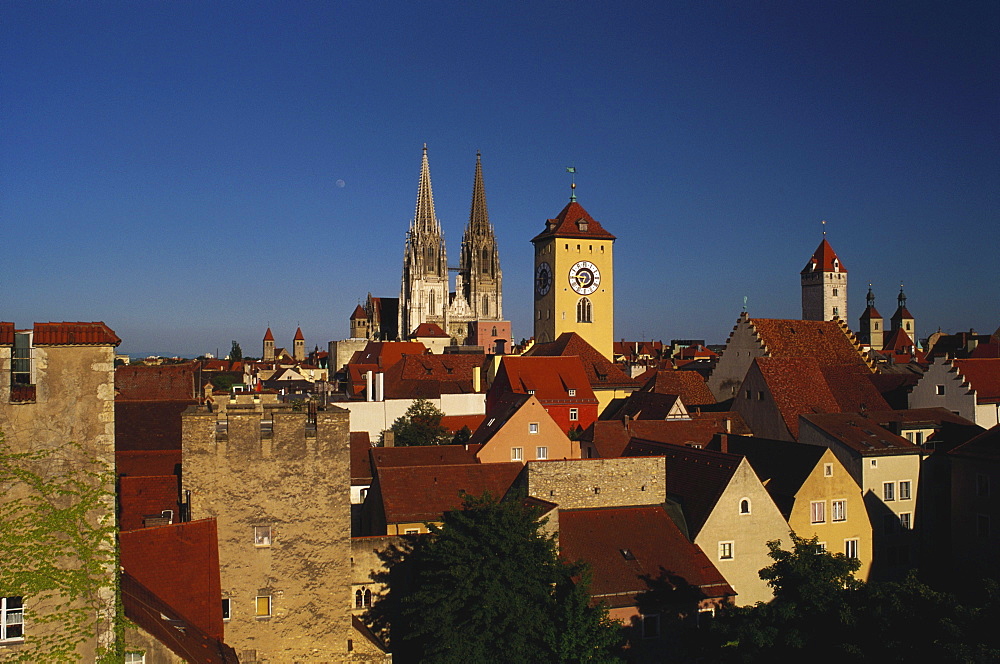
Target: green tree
{"type": "Point", "coordinates": [488, 586]}
{"type": "Point", "coordinates": [462, 436]}
{"type": "Point", "coordinates": [419, 425]}
{"type": "Point", "coordinates": [57, 549]}
{"type": "Point", "coordinates": [236, 353]}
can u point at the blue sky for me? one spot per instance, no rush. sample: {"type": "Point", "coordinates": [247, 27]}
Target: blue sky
{"type": "Point", "coordinates": [172, 168]}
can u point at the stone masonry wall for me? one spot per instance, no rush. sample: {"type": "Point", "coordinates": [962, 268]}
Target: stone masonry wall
{"type": "Point", "coordinates": [590, 483]}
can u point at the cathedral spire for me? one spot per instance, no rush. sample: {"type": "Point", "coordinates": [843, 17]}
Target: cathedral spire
{"type": "Point", "coordinates": [479, 216]}
{"type": "Point", "coordinates": [424, 218]}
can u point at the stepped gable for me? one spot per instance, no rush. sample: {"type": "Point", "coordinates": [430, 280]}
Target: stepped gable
{"type": "Point", "coordinates": [424, 493]}
{"type": "Point", "coordinates": [180, 564]}
{"type": "Point", "coordinates": [601, 372]}
{"type": "Point", "coordinates": [981, 375]}
{"type": "Point", "coordinates": [824, 259]}
{"type": "Point", "coordinates": [429, 376]}
{"type": "Point", "coordinates": [573, 222]}
{"type": "Point", "coordinates": [827, 342]}
{"type": "Point", "coordinates": [627, 546]}
{"type": "Point", "coordinates": [688, 385]}
{"type": "Point", "coordinates": [183, 637]}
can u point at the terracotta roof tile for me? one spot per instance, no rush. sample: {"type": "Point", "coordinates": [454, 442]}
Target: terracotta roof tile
{"type": "Point", "coordinates": [268, 336]}
{"type": "Point", "coordinates": [550, 378]}
{"type": "Point", "coordinates": [384, 354]}
{"type": "Point", "coordinates": [454, 423]}
{"type": "Point", "coordinates": [982, 375]}
{"type": "Point", "coordinates": [424, 493]}
{"type": "Point", "coordinates": [422, 455]}
{"type": "Point", "coordinates": [797, 386]}
{"type": "Point", "coordinates": [6, 334]}
{"type": "Point", "coordinates": [629, 547]}
{"type": "Point", "coordinates": [690, 386]}
{"type": "Point", "coordinates": [611, 438]}
{"type": "Point", "coordinates": [361, 467]}
{"type": "Point", "coordinates": [601, 372]}
{"type": "Point", "coordinates": [985, 446]}
{"type": "Point", "coordinates": [359, 313]}
{"type": "Point", "coordinates": [139, 497]}
{"type": "Point", "coordinates": [429, 330]}
{"type": "Point", "coordinates": [298, 335]}
{"type": "Point", "coordinates": [74, 334]}
{"type": "Point", "coordinates": [169, 382]}
{"type": "Point", "coordinates": [566, 224]}
{"type": "Point", "coordinates": [824, 259]}
{"type": "Point", "coordinates": [827, 342]}
{"type": "Point", "coordinates": [861, 434]}
{"type": "Point", "coordinates": [429, 376]}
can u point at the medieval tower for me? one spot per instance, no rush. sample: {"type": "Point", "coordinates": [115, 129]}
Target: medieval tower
{"type": "Point", "coordinates": [824, 285]}
{"type": "Point", "coordinates": [479, 264]}
{"type": "Point", "coordinates": [871, 328]}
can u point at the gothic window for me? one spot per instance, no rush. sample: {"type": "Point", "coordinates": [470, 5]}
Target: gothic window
{"type": "Point", "coordinates": [485, 262]}
{"type": "Point", "coordinates": [431, 304]}
{"type": "Point", "coordinates": [486, 305]}
{"type": "Point", "coordinates": [584, 311]}
{"type": "Point", "coordinates": [494, 330]}
{"type": "Point", "coordinates": [430, 254]}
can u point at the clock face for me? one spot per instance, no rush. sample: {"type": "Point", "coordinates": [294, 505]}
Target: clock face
{"type": "Point", "coordinates": [543, 278]}
{"type": "Point", "coordinates": [584, 277]}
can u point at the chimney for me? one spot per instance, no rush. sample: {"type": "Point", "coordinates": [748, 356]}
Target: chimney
{"type": "Point", "coordinates": [368, 386]}
{"type": "Point", "coordinates": [477, 379]}
{"type": "Point", "coordinates": [729, 425]}
{"type": "Point", "coordinates": [380, 386]}
{"type": "Point", "coordinates": [724, 442]}
{"type": "Point", "coordinates": [389, 438]}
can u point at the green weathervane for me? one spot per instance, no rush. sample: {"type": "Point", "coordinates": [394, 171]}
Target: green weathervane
{"type": "Point", "coordinates": [572, 186]}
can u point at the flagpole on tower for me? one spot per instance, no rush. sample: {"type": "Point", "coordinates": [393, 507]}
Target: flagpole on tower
{"type": "Point", "coordinates": [572, 186]}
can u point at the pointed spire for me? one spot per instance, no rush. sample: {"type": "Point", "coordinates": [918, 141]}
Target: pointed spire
{"type": "Point", "coordinates": [424, 218]}
{"type": "Point", "coordinates": [902, 297]}
{"type": "Point", "coordinates": [268, 336]}
{"type": "Point", "coordinates": [298, 335]}
{"type": "Point", "coordinates": [479, 216]}
{"type": "Point", "coordinates": [870, 298]}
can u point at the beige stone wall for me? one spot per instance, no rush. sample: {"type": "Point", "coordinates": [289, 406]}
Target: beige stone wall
{"type": "Point", "coordinates": [139, 640]}
{"type": "Point", "coordinates": [741, 348]}
{"type": "Point", "coordinates": [74, 403]}
{"type": "Point", "coordinates": [298, 485]}
{"type": "Point", "coordinates": [824, 295]}
{"type": "Point", "coordinates": [590, 483]}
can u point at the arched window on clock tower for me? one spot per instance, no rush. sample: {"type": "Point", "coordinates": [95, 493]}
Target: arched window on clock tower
{"type": "Point", "coordinates": [583, 311]}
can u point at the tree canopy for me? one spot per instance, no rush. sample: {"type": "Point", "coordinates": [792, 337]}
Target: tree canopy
{"type": "Point", "coordinates": [488, 586]}
{"type": "Point", "coordinates": [419, 425]}
{"type": "Point", "coordinates": [236, 353]}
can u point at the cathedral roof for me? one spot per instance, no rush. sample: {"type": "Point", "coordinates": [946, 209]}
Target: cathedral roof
{"type": "Point", "coordinates": [576, 222]}
{"type": "Point", "coordinates": [870, 313]}
{"type": "Point", "coordinates": [824, 259]}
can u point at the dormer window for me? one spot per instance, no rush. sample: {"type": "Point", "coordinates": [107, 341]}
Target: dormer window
{"type": "Point", "coordinates": [582, 224]}
{"type": "Point", "coordinates": [571, 392]}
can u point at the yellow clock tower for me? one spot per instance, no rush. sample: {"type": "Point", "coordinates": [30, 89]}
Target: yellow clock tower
{"type": "Point", "coordinates": [574, 279]}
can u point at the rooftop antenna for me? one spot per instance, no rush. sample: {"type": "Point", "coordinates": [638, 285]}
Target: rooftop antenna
{"type": "Point", "coordinates": [572, 186]}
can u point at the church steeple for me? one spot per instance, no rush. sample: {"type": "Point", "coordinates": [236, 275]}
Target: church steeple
{"type": "Point", "coordinates": [824, 284]}
{"type": "Point", "coordinates": [871, 326]}
{"type": "Point", "coordinates": [903, 319]}
{"type": "Point", "coordinates": [479, 261]}
{"type": "Point", "coordinates": [424, 219]}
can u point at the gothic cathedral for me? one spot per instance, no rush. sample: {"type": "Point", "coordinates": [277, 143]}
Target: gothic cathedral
{"type": "Point", "coordinates": [574, 279]}
{"type": "Point", "coordinates": [473, 313]}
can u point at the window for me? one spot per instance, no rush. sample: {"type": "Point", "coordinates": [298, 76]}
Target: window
{"type": "Point", "coordinates": [541, 453]}
{"type": "Point", "coordinates": [888, 491]}
{"type": "Point", "coordinates": [749, 395]}
{"type": "Point", "coordinates": [939, 390]}
{"type": "Point", "coordinates": [982, 525]}
{"type": "Point", "coordinates": [227, 612]}
{"type": "Point", "coordinates": [533, 427]}
{"type": "Point", "coordinates": [817, 511]}
{"type": "Point", "coordinates": [835, 295]}
{"type": "Point", "coordinates": [135, 658]}
{"type": "Point", "coordinates": [905, 521]}
{"type": "Point", "coordinates": [262, 535]}
{"type": "Point", "coordinates": [904, 490]}
{"type": "Point", "coordinates": [411, 531]}
{"type": "Point", "coordinates": [517, 454]}
{"type": "Point", "coordinates": [822, 547]}
{"type": "Point", "coordinates": [571, 392]}
{"type": "Point", "coordinates": [362, 598]}
{"type": "Point", "coordinates": [851, 548]}
{"type": "Point", "coordinates": [725, 550]}
{"type": "Point", "coordinates": [574, 414]}
{"type": "Point", "coordinates": [982, 485]}
{"type": "Point", "coordinates": [874, 462]}
{"type": "Point", "coordinates": [11, 619]}
{"type": "Point", "coordinates": [651, 626]}
{"type": "Point", "coordinates": [745, 506]}
{"type": "Point", "coordinates": [584, 311]}
{"type": "Point", "coordinates": [22, 381]}
{"type": "Point", "coordinates": [836, 310]}
{"type": "Point", "coordinates": [760, 395]}
{"type": "Point", "coordinates": [263, 606]}
{"type": "Point", "coordinates": [486, 306]}
{"type": "Point", "coordinates": [839, 511]}
{"type": "Point", "coordinates": [827, 470]}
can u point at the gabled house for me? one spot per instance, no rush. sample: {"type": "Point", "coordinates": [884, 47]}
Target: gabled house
{"type": "Point", "coordinates": [727, 512]}
{"type": "Point", "coordinates": [647, 406]}
{"type": "Point", "coordinates": [776, 391]}
{"type": "Point", "coordinates": [559, 383]}
{"type": "Point", "coordinates": [432, 336]}
{"type": "Point", "coordinates": [610, 438]}
{"type": "Point", "coordinates": [520, 429]}
{"type": "Point", "coordinates": [606, 379]}
{"type": "Point", "coordinates": [887, 468]}
{"type": "Point", "coordinates": [813, 491]}
{"type": "Point", "coordinates": [968, 387]}
{"type": "Point", "coordinates": [828, 342]}
{"type": "Point", "coordinates": [688, 385]}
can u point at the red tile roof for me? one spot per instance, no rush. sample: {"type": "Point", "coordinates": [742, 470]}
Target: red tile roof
{"type": "Point", "coordinates": [628, 547]}
{"type": "Point", "coordinates": [429, 376]}
{"type": "Point", "coordinates": [642, 406]}
{"type": "Point", "coordinates": [423, 455]}
{"type": "Point", "coordinates": [180, 564]}
{"type": "Point", "coordinates": [74, 334]}
{"type": "Point", "coordinates": [384, 354]}
{"type": "Point", "coordinates": [981, 375]}
{"type": "Point", "coordinates": [567, 224]}
{"type": "Point", "coordinates": [168, 382]}
{"type": "Point", "coordinates": [861, 434]}
{"type": "Point", "coordinates": [612, 438]}
{"type": "Point", "coordinates": [148, 463]}
{"type": "Point", "coordinates": [268, 336]}
{"type": "Point", "coordinates": [824, 259]}
{"type": "Point", "coordinates": [550, 378]}
{"type": "Point", "coordinates": [359, 313]}
{"type": "Point", "coordinates": [985, 446]}
{"type": "Point", "coordinates": [6, 334]}
{"type": "Point", "coordinates": [412, 494]}
{"type": "Point", "coordinates": [827, 342]}
{"type": "Point", "coordinates": [298, 335]}
{"type": "Point", "coordinates": [797, 386]}
{"type": "Point", "coordinates": [429, 330]}
{"type": "Point", "coordinates": [139, 497]}
{"type": "Point", "coordinates": [454, 423]}
{"type": "Point", "coordinates": [361, 467]}
{"type": "Point", "coordinates": [601, 372]}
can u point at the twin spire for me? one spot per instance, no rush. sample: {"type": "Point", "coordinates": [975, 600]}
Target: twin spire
{"type": "Point", "coordinates": [424, 219]}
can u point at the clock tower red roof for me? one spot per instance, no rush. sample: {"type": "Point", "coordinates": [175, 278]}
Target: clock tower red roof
{"type": "Point", "coordinates": [573, 222]}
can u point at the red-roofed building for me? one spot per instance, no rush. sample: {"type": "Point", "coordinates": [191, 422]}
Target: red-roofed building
{"type": "Point", "coordinates": [688, 385]}
{"type": "Point", "coordinates": [969, 387]}
{"type": "Point", "coordinates": [610, 438]}
{"type": "Point", "coordinates": [429, 376]}
{"type": "Point", "coordinates": [520, 429]}
{"type": "Point", "coordinates": [559, 383]}
{"type": "Point", "coordinates": [432, 336]}
{"type": "Point", "coordinates": [147, 501]}
{"type": "Point", "coordinates": [824, 285]}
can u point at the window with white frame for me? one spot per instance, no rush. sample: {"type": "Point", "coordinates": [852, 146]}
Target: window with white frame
{"type": "Point", "coordinates": [542, 452]}
{"type": "Point", "coordinates": [533, 427]}
{"type": "Point", "coordinates": [262, 535]}
{"type": "Point", "coordinates": [135, 658]}
{"type": "Point", "coordinates": [817, 511]}
{"type": "Point", "coordinates": [888, 491]}
{"type": "Point", "coordinates": [574, 414]}
{"type": "Point", "coordinates": [11, 619]}
{"type": "Point", "coordinates": [725, 550]}
{"type": "Point", "coordinates": [827, 470]}
{"type": "Point", "coordinates": [411, 531]}
{"type": "Point", "coordinates": [362, 598]}
{"type": "Point", "coordinates": [517, 454]}
{"type": "Point", "coordinates": [822, 547]}
{"type": "Point", "coordinates": [851, 548]}
{"type": "Point", "coordinates": [745, 506]}
{"type": "Point", "coordinates": [262, 606]}
{"type": "Point", "coordinates": [227, 608]}
{"type": "Point", "coordinates": [905, 520]}
{"type": "Point", "coordinates": [838, 510]}
{"type": "Point", "coordinates": [571, 392]}
{"type": "Point", "coordinates": [904, 490]}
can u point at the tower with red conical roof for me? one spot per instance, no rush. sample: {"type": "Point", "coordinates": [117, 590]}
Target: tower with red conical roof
{"type": "Point", "coordinates": [824, 285]}
{"type": "Point", "coordinates": [299, 346]}
{"type": "Point", "coordinates": [268, 353]}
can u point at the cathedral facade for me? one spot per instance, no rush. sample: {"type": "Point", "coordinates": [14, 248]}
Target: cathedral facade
{"type": "Point", "coordinates": [472, 313]}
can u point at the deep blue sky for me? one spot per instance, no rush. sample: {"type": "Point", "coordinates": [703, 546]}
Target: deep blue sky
{"type": "Point", "coordinates": [172, 168]}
